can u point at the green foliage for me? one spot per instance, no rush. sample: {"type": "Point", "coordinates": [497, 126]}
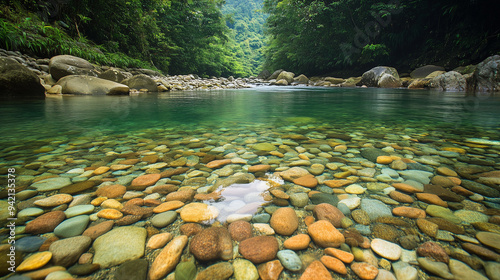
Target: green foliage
{"type": "Point", "coordinates": [320, 36]}
{"type": "Point", "coordinates": [175, 36]}
{"type": "Point", "coordinates": [246, 19]}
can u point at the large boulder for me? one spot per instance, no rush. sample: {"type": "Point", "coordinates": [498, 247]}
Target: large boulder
{"type": "Point", "coordinates": [115, 75]}
{"type": "Point", "coordinates": [334, 81]}
{"type": "Point", "coordinates": [449, 81]}
{"type": "Point", "coordinates": [275, 74]}
{"type": "Point", "coordinates": [287, 76]}
{"type": "Point", "coordinates": [371, 77]}
{"type": "Point", "coordinates": [388, 81]}
{"type": "Point", "coordinates": [424, 71]}
{"type": "Point", "coordinates": [81, 84]}
{"type": "Point", "coordinates": [141, 82]}
{"type": "Point", "coordinates": [17, 81]}
{"type": "Point", "coordinates": [487, 75]}
{"type": "Point", "coordinates": [65, 65]}
{"type": "Point", "coordinates": [301, 79]}
{"type": "Point", "coordinates": [264, 74]}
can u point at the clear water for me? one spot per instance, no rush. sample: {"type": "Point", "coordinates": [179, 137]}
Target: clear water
{"type": "Point", "coordinates": [294, 109]}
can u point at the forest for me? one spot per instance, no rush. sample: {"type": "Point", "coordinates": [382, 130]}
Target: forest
{"type": "Point", "coordinates": [241, 38]}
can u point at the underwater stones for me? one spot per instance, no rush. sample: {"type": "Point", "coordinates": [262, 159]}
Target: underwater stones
{"type": "Point", "coordinates": [98, 230]}
{"type": "Point", "coordinates": [407, 188]}
{"type": "Point", "coordinates": [218, 163]}
{"type": "Point", "coordinates": [264, 147]}
{"type": "Point", "coordinates": [489, 239]}
{"type": "Point", "coordinates": [240, 230]}
{"type": "Point", "coordinates": [78, 187]}
{"type": "Point", "coordinates": [72, 227]}
{"type": "Point", "coordinates": [297, 242]}
{"type": "Point", "coordinates": [441, 212]}
{"type": "Point", "coordinates": [198, 212]}
{"type": "Point", "coordinates": [259, 249]}
{"type": "Point", "coordinates": [364, 270]}
{"type": "Point", "coordinates": [51, 184]}
{"type": "Point", "coordinates": [164, 219]}
{"type": "Point", "coordinates": [119, 245]}
{"type": "Point", "coordinates": [386, 249]}
{"type": "Point", "coordinates": [372, 154]}
{"type": "Point", "coordinates": [290, 260]}
{"type": "Point", "coordinates": [480, 188]}
{"type": "Point", "coordinates": [45, 223]}
{"type": "Point", "coordinates": [284, 221]}
{"type": "Point", "coordinates": [168, 258]}
{"type": "Point", "coordinates": [167, 206]}
{"type": "Point", "coordinates": [111, 191]}
{"type": "Point", "coordinates": [65, 252]}
{"type": "Point", "coordinates": [143, 181]}
{"type": "Point", "coordinates": [308, 181]}
{"type": "Point", "coordinates": [245, 270]}
{"type": "Point", "coordinates": [433, 251]}
{"type": "Point", "coordinates": [259, 168]}
{"type": "Point", "coordinates": [316, 270]}
{"type": "Point", "coordinates": [293, 173]}
{"type": "Point", "coordinates": [409, 212]}
{"type": "Point", "coordinates": [54, 200]}
{"type": "Point", "coordinates": [375, 208]}
{"type": "Point", "coordinates": [211, 244]}
{"type": "Point", "coordinates": [325, 211]}
{"type": "Point", "coordinates": [270, 270]}
{"type": "Point", "coordinates": [324, 234]}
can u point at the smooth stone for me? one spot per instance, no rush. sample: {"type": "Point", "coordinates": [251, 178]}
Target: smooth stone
{"type": "Point", "coordinates": [375, 208]}
{"type": "Point", "coordinates": [65, 252]}
{"type": "Point", "coordinates": [386, 249]}
{"type": "Point", "coordinates": [238, 217]}
{"type": "Point", "coordinates": [259, 249]}
{"type": "Point", "coordinates": [299, 199]}
{"type": "Point", "coordinates": [364, 270]}
{"type": "Point", "coordinates": [164, 219]}
{"type": "Point", "coordinates": [72, 227]}
{"type": "Point", "coordinates": [469, 217]}
{"type": "Point", "coordinates": [404, 271]}
{"type": "Point", "coordinates": [284, 221]}
{"type": "Point", "coordinates": [290, 260]}
{"type": "Point", "coordinates": [385, 275]}
{"type": "Point", "coordinates": [355, 189]}
{"type": "Point", "coordinates": [261, 218]}
{"type": "Point", "coordinates": [198, 212]}
{"type": "Point", "coordinates": [51, 184]}
{"type": "Point", "coordinates": [270, 270]}
{"type": "Point", "coordinates": [84, 269]}
{"type": "Point", "coordinates": [159, 240]}
{"type": "Point", "coordinates": [168, 258]}
{"type": "Point", "coordinates": [58, 275]}
{"type": "Point", "coordinates": [119, 245]}
{"type": "Point", "coordinates": [297, 242]}
{"type": "Point", "coordinates": [441, 212]}
{"type": "Point", "coordinates": [417, 175]}
{"type": "Point", "coordinates": [438, 268]}
{"type": "Point", "coordinates": [445, 236]}
{"type": "Point", "coordinates": [185, 270]}
{"type": "Point", "coordinates": [319, 198]}
{"type": "Point", "coordinates": [29, 244]}
{"type": "Point", "coordinates": [34, 261]}
{"type": "Point", "coordinates": [492, 270]}
{"type": "Point", "coordinates": [245, 270]}
{"type": "Point", "coordinates": [28, 212]}
{"type": "Point", "coordinates": [79, 210]}
{"type": "Point", "coordinates": [316, 270]}
{"type": "Point", "coordinates": [489, 239]}
{"type": "Point", "coordinates": [45, 223]}
{"type": "Point", "coordinates": [212, 243]}
{"type": "Point", "coordinates": [219, 271]}
{"type": "Point", "coordinates": [461, 271]}
{"type": "Point", "coordinates": [324, 234]}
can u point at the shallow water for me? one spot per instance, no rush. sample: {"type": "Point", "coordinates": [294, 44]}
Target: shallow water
{"type": "Point", "coordinates": [66, 140]}
{"type": "Point", "coordinates": [347, 110]}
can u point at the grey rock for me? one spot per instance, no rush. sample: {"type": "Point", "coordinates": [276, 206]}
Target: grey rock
{"type": "Point", "coordinates": [371, 77]}
{"type": "Point", "coordinates": [487, 75]}
{"type": "Point", "coordinates": [114, 75]}
{"type": "Point", "coordinates": [17, 81]}
{"type": "Point", "coordinates": [375, 208]}
{"type": "Point", "coordinates": [119, 245]}
{"type": "Point", "coordinates": [72, 227]}
{"type": "Point", "coordinates": [141, 82]}
{"type": "Point", "coordinates": [290, 260]}
{"type": "Point", "coordinates": [164, 219]}
{"type": "Point", "coordinates": [449, 81]}
{"type": "Point", "coordinates": [65, 252]}
{"type": "Point", "coordinates": [135, 269]}
{"type": "Point", "coordinates": [424, 71]}
{"type": "Point", "coordinates": [80, 84]}
{"type": "Point", "coordinates": [64, 65]}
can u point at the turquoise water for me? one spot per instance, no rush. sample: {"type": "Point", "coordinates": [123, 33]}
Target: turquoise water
{"type": "Point", "coordinates": [345, 110]}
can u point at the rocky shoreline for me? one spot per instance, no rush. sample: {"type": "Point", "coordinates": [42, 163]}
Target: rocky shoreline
{"type": "Point", "coordinates": [26, 77]}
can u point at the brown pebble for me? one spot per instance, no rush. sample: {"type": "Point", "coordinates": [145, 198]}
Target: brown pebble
{"type": "Point", "coordinates": [99, 229]}
{"type": "Point", "coordinates": [240, 230]}
{"type": "Point", "coordinates": [364, 270]}
{"type": "Point", "coordinates": [328, 212]}
{"type": "Point", "coordinates": [284, 221]}
{"type": "Point", "coordinates": [45, 223]}
{"type": "Point", "coordinates": [401, 197]}
{"type": "Point", "coordinates": [190, 229]}
{"type": "Point", "coordinates": [270, 270]}
{"type": "Point", "coordinates": [434, 251]}
{"type": "Point", "coordinates": [259, 249]}
{"type": "Point", "coordinates": [297, 242]}
{"type": "Point", "coordinates": [315, 271]}
{"type": "Point", "coordinates": [111, 191]}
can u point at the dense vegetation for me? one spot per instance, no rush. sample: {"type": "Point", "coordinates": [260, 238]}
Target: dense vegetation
{"type": "Point", "coordinates": [246, 19]}
{"type": "Point", "coordinates": [175, 36]}
{"type": "Point", "coordinates": [321, 36]}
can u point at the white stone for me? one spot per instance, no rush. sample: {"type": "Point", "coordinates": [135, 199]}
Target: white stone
{"type": "Point", "coordinates": [264, 228]}
{"type": "Point", "coordinates": [386, 249]}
